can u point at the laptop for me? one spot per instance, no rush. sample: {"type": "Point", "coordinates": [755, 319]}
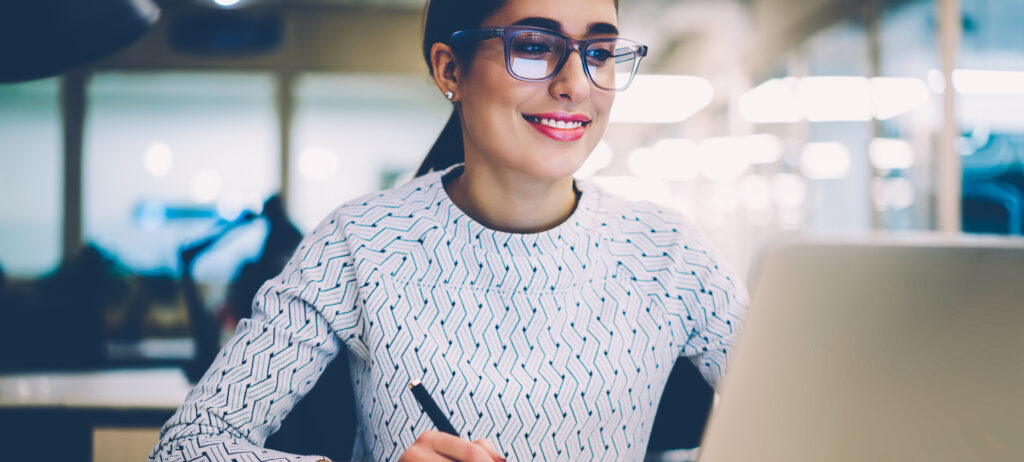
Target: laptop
{"type": "Point", "coordinates": [882, 349]}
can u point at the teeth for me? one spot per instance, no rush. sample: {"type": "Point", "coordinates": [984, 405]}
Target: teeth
{"type": "Point", "coordinates": [560, 124]}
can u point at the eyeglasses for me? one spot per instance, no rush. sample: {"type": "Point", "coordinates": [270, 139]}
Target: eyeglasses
{"type": "Point", "coordinates": [534, 54]}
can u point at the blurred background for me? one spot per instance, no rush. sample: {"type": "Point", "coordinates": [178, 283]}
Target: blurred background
{"type": "Point", "coordinates": [145, 196]}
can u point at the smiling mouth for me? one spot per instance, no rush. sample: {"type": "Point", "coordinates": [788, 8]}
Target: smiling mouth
{"type": "Point", "coordinates": [557, 123]}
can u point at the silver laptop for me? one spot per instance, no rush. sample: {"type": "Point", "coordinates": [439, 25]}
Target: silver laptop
{"type": "Point", "coordinates": [887, 349]}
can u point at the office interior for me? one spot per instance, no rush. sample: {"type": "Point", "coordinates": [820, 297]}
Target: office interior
{"type": "Point", "coordinates": [137, 190]}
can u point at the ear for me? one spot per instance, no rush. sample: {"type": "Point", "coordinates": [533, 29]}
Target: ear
{"type": "Point", "coordinates": [447, 73]}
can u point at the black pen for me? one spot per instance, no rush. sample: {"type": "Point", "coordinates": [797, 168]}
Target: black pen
{"type": "Point", "coordinates": [430, 407]}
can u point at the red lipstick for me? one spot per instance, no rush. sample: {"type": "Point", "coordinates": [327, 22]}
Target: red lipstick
{"type": "Point", "coordinates": [560, 126]}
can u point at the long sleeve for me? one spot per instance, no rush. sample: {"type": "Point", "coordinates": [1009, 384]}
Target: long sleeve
{"type": "Point", "coordinates": [272, 361]}
{"type": "Point", "coordinates": [713, 301]}
{"type": "Point", "coordinates": [552, 345]}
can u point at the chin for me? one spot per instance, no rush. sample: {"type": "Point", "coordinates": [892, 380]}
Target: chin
{"type": "Point", "coordinates": [555, 164]}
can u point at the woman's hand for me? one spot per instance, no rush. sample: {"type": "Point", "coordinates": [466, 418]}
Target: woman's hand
{"type": "Point", "coordinates": [438, 446]}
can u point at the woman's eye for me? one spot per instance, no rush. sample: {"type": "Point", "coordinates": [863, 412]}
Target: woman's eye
{"type": "Point", "coordinates": [598, 55]}
{"type": "Point", "coordinates": [532, 47]}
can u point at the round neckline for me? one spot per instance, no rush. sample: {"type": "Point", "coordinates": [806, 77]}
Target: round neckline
{"type": "Point", "coordinates": [567, 234]}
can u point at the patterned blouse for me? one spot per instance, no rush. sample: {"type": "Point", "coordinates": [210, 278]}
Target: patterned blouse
{"type": "Point", "coordinates": [554, 345]}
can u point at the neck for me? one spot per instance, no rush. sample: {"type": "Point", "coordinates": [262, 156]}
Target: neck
{"type": "Point", "coordinates": [511, 202]}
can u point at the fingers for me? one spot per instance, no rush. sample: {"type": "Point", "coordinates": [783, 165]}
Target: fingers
{"type": "Point", "coordinates": [422, 453]}
{"type": "Point", "coordinates": [486, 444]}
{"type": "Point", "coordinates": [438, 446]}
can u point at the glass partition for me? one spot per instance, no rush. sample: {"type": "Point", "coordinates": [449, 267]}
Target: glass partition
{"type": "Point", "coordinates": [31, 178]}
{"type": "Point", "coordinates": [169, 158]}
{"type": "Point", "coordinates": [989, 82]}
{"type": "Point", "coordinates": [357, 133]}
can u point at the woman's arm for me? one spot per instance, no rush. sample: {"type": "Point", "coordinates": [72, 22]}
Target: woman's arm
{"type": "Point", "coordinates": [712, 302]}
{"type": "Point", "coordinates": [273, 360]}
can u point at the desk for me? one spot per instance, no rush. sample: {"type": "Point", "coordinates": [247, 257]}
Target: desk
{"type": "Point", "coordinates": [152, 350]}
{"type": "Point", "coordinates": [55, 415]}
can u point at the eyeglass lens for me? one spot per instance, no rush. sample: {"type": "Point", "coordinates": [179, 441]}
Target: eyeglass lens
{"type": "Point", "coordinates": [535, 56]}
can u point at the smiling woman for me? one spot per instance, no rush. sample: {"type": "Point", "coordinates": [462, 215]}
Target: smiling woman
{"type": "Point", "coordinates": [456, 25]}
{"type": "Point", "coordinates": [518, 133]}
{"type": "Point", "coordinates": [543, 314]}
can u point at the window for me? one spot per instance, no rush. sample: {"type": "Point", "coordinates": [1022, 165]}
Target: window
{"type": "Point", "coordinates": [989, 82]}
{"type": "Point", "coordinates": [31, 178]}
{"type": "Point", "coordinates": [355, 134]}
{"type": "Point", "coordinates": [168, 157]}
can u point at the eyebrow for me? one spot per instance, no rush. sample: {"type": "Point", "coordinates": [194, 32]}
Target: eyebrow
{"type": "Point", "coordinates": [548, 23]}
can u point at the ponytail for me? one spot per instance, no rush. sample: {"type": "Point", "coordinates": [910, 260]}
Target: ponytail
{"type": "Point", "coordinates": [448, 150]}
{"type": "Point", "coordinates": [440, 19]}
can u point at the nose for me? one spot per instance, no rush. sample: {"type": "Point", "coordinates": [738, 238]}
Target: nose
{"type": "Point", "coordinates": [571, 83]}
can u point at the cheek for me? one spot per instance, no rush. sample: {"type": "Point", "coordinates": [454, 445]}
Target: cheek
{"type": "Point", "coordinates": [491, 97]}
{"type": "Point", "coordinates": [602, 106]}
{"type": "Point", "coordinates": [487, 116]}
{"type": "Point", "coordinates": [603, 102]}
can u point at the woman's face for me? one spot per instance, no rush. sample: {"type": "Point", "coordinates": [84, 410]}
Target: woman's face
{"type": "Point", "coordinates": [500, 114]}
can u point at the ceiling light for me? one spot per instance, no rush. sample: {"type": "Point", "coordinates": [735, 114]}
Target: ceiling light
{"type": "Point", "coordinates": [832, 99]}
{"type": "Point", "coordinates": [893, 193]}
{"type": "Point", "coordinates": [828, 99]}
{"type": "Point", "coordinates": [763, 148]}
{"type": "Point", "coordinates": [790, 190]}
{"type": "Point", "coordinates": [775, 101]}
{"type": "Point", "coordinates": [670, 159]}
{"type": "Point", "coordinates": [979, 82]}
{"type": "Point", "coordinates": [662, 99]}
{"type": "Point", "coordinates": [825, 161]}
{"type": "Point", "coordinates": [158, 159]}
{"type": "Point", "coordinates": [891, 154]}
{"type": "Point", "coordinates": [722, 159]}
{"type": "Point", "coordinates": [894, 96]}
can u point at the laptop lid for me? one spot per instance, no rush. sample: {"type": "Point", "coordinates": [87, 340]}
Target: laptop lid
{"type": "Point", "coordinates": [883, 349]}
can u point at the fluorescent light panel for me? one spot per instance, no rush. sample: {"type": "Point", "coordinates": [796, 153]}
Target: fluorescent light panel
{"type": "Point", "coordinates": [832, 99]}
{"type": "Point", "coordinates": [982, 82]}
{"type": "Point", "coordinates": [662, 99]}
{"type": "Point", "coordinates": [891, 154]}
{"type": "Point", "coordinates": [825, 161]}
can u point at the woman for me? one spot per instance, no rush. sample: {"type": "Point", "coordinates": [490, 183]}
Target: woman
{"type": "Point", "coordinates": [543, 314]}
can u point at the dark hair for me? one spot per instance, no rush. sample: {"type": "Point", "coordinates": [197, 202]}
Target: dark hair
{"type": "Point", "coordinates": [441, 19]}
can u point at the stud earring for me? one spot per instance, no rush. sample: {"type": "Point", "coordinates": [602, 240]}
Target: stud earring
{"type": "Point", "coordinates": [448, 94]}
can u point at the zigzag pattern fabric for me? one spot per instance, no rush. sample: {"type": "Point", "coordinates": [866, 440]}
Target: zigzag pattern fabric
{"type": "Point", "coordinates": [553, 346]}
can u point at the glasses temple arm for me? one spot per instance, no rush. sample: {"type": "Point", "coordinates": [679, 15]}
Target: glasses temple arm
{"type": "Point", "coordinates": [474, 35]}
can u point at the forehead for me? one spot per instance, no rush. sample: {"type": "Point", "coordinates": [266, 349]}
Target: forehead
{"type": "Point", "coordinates": [576, 16]}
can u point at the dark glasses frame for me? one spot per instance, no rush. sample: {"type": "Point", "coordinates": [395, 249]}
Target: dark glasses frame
{"type": "Point", "coordinates": [508, 33]}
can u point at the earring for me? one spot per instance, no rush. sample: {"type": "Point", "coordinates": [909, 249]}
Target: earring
{"type": "Point", "coordinates": [448, 94]}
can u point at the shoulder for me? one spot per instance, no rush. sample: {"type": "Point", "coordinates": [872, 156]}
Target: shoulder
{"type": "Point", "coordinates": [621, 216]}
{"type": "Point", "coordinates": [405, 201]}
{"type": "Point", "coordinates": [656, 236]}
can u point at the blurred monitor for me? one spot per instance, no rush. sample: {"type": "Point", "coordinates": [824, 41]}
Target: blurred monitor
{"type": "Point", "coordinates": [884, 349]}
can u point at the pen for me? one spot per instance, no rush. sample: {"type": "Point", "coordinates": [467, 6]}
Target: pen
{"type": "Point", "coordinates": [430, 407]}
